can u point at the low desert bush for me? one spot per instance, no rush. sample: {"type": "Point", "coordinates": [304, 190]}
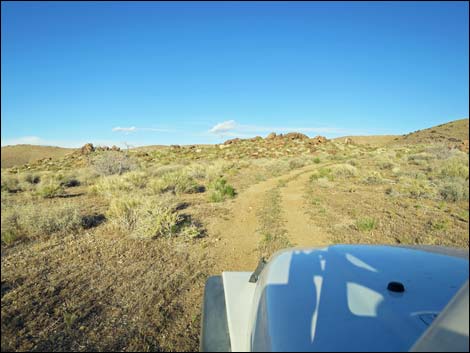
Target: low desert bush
{"type": "Point", "coordinates": [344, 171]}
{"type": "Point", "coordinates": [454, 168]}
{"type": "Point", "coordinates": [10, 182]}
{"type": "Point", "coordinates": [320, 173]}
{"type": "Point", "coordinates": [148, 217]}
{"type": "Point", "coordinates": [455, 190]}
{"type": "Point", "coordinates": [366, 224]}
{"type": "Point", "coordinates": [49, 188]}
{"type": "Point", "coordinates": [31, 178]}
{"type": "Point", "coordinates": [220, 190]}
{"type": "Point", "coordinates": [29, 221]}
{"type": "Point", "coordinates": [373, 178]}
{"type": "Point", "coordinates": [296, 163]}
{"type": "Point", "coordinates": [112, 162]}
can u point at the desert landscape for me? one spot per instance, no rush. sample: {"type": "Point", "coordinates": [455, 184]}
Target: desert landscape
{"type": "Point", "coordinates": [108, 249]}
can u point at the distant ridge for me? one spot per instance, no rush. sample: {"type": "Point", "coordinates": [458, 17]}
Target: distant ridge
{"type": "Point", "coordinates": [21, 154]}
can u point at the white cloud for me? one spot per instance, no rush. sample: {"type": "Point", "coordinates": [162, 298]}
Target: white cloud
{"type": "Point", "coordinates": [223, 128]}
{"type": "Point", "coordinates": [25, 140]}
{"type": "Point", "coordinates": [125, 129]}
{"type": "Point", "coordinates": [133, 129]}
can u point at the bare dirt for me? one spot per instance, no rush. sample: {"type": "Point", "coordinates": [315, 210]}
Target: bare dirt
{"type": "Point", "coordinates": [238, 235]}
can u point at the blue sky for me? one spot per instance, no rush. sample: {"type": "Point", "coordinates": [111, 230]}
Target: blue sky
{"type": "Point", "coordinates": [183, 73]}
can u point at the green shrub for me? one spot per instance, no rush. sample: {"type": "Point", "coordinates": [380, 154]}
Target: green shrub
{"type": "Point", "coordinates": [366, 224]}
{"type": "Point", "coordinates": [10, 183]}
{"type": "Point", "coordinates": [50, 188]}
{"type": "Point", "coordinates": [320, 173]}
{"type": "Point", "coordinates": [11, 230]}
{"type": "Point", "coordinates": [220, 190]}
{"type": "Point", "coordinates": [316, 160]}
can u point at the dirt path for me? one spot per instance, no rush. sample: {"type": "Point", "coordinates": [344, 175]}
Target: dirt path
{"type": "Point", "coordinates": [301, 230]}
{"type": "Point", "coordinates": [237, 234]}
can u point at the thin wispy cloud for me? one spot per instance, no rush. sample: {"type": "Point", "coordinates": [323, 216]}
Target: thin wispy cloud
{"type": "Point", "coordinates": [39, 141]}
{"type": "Point", "coordinates": [124, 129]}
{"type": "Point", "coordinates": [134, 129]}
{"type": "Point", "coordinates": [223, 127]}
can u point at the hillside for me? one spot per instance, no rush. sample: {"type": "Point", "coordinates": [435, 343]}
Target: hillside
{"type": "Point", "coordinates": [21, 154]}
{"type": "Point", "coordinates": [454, 133]}
{"type": "Point", "coordinates": [373, 140]}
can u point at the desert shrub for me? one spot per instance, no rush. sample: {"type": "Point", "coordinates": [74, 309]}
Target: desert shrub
{"type": "Point", "coordinates": [165, 169]}
{"type": "Point", "coordinates": [123, 213]}
{"type": "Point", "coordinates": [145, 217]}
{"type": "Point", "coordinates": [180, 182]}
{"type": "Point", "coordinates": [31, 178]}
{"type": "Point", "coordinates": [366, 224]}
{"type": "Point", "coordinates": [220, 190]}
{"type": "Point", "coordinates": [110, 186]}
{"type": "Point", "coordinates": [49, 188]}
{"type": "Point", "coordinates": [11, 230]}
{"type": "Point", "coordinates": [65, 180]}
{"type": "Point", "coordinates": [10, 183]}
{"type": "Point", "coordinates": [438, 224]}
{"type": "Point", "coordinates": [197, 171]}
{"type": "Point", "coordinates": [58, 218]}
{"type": "Point", "coordinates": [112, 162]}
{"type": "Point", "coordinates": [26, 186]}
{"type": "Point", "coordinates": [440, 151]}
{"type": "Point", "coordinates": [385, 165]}
{"type": "Point", "coordinates": [177, 182]}
{"type": "Point", "coordinates": [417, 188]}
{"type": "Point", "coordinates": [316, 160]}
{"type": "Point", "coordinates": [273, 167]}
{"type": "Point", "coordinates": [352, 162]}
{"type": "Point", "coordinates": [136, 179]}
{"type": "Point", "coordinates": [296, 163]}
{"type": "Point", "coordinates": [454, 168]}
{"type": "Point", "coordinates": [191, 231]}
{"type": "Point", "coordinates": [396, 171]}
{"type": "Point", "coordinates": [344, 171]}
{"type": "Point", "coordinates": [373, 178]}
{"type": "Point", "coordinates": [320, 173]}
{"type": "Point", "coordinates": [420, 158]}
{"type": "Point", "coordinates": [28, 220]}
{"type": "Point", "coordinates": [455, 190]}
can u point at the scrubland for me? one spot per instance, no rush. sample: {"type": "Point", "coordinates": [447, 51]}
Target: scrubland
{"type": "Point", "coordinates": [109, 250]}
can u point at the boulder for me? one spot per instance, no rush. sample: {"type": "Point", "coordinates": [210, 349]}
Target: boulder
{"type": "Point", "coordinates": [317, 140]}
{"type": "Point", "coordinates": [87, 148]}
{"type": "Point", "coordinates": [296, 136]}
{"type": "Point", "coordinates": [229, 142]}
{"type": "Point", "coordinates": [271, 136]}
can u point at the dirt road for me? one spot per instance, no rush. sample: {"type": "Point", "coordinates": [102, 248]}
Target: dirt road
{"type": "Point", "coordinates": [238, 234]}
